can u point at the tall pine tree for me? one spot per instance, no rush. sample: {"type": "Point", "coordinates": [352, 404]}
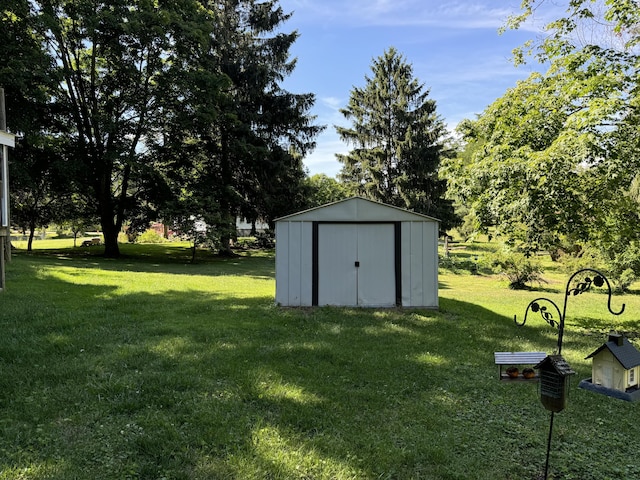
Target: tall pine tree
{"type": "Point", "coordinates": [398, 141]}
{"type": "Point", "coordinates": [259, 120]}
{"type": "Point", "coordinates": [246, 143]}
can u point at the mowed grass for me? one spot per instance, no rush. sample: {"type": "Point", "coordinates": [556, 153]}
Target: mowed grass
{"type": "Point", "coordinates": [149, 367]}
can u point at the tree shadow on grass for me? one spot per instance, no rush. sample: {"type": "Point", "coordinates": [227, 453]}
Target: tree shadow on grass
{"type": "Point", "coordinates": [158, 259]}
{"type": "Point", "coordinates": [198, 385]}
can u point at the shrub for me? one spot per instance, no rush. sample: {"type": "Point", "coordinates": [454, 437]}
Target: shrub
{"type": "Point", "coordinates": [243, 243]}
{"type": "Point", "coordinates": [265, 240]}
{"type": "Point", "coordinates": [150, 236]}
{"type": "Point", "coordinates": [625, 279]}
{"type": "Point", "coordinates": [456, 265]}
{"type": "Point", "coordinates": [519, 269]}
{"type": "Point", "coordinates": [622, 268]}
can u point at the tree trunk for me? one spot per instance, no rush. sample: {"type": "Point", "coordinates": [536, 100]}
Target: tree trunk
{"type": "Point", "coordinates": [32, 232]}
{"type": "Point", "coordinates": [110, 233]}
{"type": "Point", "coordinates": [108, 213]}
{"type": "Point", "coordinates": [225, 242]}
{"type": "Point", "coordinates": [226, 209]}
{"type": "Point", "coordinates": [194, 250]}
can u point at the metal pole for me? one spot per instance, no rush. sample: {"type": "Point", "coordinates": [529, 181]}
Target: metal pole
{"type": "Point", "coordinates": [3, 112]}
{"type": "Point", "coordinates": [546, 465]}
{"type": "Point", "coordinates": [4, 186]}
{"type": "Point", "coordinates": [4, 165]}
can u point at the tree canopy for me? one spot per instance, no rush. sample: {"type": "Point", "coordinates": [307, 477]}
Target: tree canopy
{"type": "Point", "coordinates": [556, 157]}
{"type": "Point", "coordinates": [158, 101]}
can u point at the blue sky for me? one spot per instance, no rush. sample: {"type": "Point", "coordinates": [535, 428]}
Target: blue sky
{"type": "Point", "coordinates": [453, 45]}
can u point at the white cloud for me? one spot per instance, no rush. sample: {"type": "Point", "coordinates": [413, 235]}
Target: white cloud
{"type": "Point", "coordinates": [458, 14]}
{"type": "Point", "coordinates": [333, 103]}
{"type": "Point", "coordinates": [323, 159]}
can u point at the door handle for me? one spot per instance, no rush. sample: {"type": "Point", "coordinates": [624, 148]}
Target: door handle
{"type": "Point", "coordinates": [357, 264]}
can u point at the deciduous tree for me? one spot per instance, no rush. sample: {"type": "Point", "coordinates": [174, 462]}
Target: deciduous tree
{"type": "Point", "coordinates": [559, 152]}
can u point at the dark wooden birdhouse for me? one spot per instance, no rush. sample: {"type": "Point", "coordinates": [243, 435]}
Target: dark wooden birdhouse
{"type": "Point", "coordinates": [554, 373]}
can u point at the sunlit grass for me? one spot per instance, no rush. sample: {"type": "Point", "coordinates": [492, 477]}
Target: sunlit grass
{"type": "Point", "coordinates": [152, 367]}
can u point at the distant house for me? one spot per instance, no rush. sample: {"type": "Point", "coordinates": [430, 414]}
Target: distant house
{"type": "Point", "coordinates": [616, 364]}
{"type": "Point", "coordinates": [246, 228]}
{"type": "Point", "coordinates": [161, 229]}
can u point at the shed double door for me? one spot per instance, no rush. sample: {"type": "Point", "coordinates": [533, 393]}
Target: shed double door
{"type": "Point", "coordinates": [357, 264]}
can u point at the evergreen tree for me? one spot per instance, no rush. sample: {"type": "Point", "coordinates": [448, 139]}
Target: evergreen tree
{"type": "Point", "coordinates": [259, 121]}
{"type": "Point", "coordinates": [244, 145]}
{"type": "Point", "coordinates": [200, 80]}
{"type": "Point", "coordinates": [398, 140]}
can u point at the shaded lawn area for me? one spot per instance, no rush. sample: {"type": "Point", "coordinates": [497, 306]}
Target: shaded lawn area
{"type": "Point", "coordinates": [148, 367]}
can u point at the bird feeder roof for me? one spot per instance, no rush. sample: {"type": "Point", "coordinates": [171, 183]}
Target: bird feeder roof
{"type": "Point", "coordinates": [558, 363]}
{"type": "Point", "coordinates": [623, 351]}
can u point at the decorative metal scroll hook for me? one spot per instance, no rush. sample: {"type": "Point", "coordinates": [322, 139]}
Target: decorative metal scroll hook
{"type": "Point", "coordinates": [538, 306]}
{"type": "Point", "coordinates": [598, 280]}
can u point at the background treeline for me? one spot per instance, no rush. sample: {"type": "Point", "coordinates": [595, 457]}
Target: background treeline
{"type": "Point", "coordinates": [136, 111]}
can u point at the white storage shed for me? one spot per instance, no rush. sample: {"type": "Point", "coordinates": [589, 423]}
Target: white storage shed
{"type": "Point", "coordinates": [358, 253]}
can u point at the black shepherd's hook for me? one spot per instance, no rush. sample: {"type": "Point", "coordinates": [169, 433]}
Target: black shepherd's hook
{"type": "Point", "coordinates": [539, 305]}
{"type": "Point", "coordinates": [548, 316]}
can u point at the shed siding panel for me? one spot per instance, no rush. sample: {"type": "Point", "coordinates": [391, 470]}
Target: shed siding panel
{"type": "Point", "coordinates": [306, 264]}
{"type": "Point", "coordinates": [419, 264]}
{"type": "Point", "coordinates": [295, 264]}
{"type": "Point", "coordinates": [282, 263]}
{"type": "Point", "coordinates": [405, 263]}
{"type": "Point", "coordinates": [430, 263]}
{"type": "Point", "coordinates": [417, 293]}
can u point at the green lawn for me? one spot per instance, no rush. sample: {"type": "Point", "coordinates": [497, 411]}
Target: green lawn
{"type": "Point", "coordinates": [149, 367]}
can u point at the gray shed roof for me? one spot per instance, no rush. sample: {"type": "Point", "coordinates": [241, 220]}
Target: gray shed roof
{"type": "Point", "coordinates": [626, 353]}
{"type": "Point", "coordinates": [357, 209]}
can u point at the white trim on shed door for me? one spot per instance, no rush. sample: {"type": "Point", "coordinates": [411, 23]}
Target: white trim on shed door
{"type": "Point", "coordinates": [356, 264]}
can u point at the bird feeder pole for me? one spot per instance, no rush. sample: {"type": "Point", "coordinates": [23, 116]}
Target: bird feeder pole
{"type": "Point", "coordinates": [541, 306]}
